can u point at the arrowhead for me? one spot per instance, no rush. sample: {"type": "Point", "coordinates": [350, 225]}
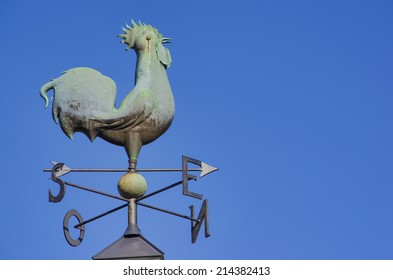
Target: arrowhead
{"type": "Point", "coordinates": [63, 171]}
{"type": "Point", "coordinates": [206, 169]}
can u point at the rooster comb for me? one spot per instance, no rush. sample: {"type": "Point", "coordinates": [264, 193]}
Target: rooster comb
{"type": "Point", "coordinates": [130, 31]}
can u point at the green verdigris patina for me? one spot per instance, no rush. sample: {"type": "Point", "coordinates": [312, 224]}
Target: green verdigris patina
{"type": "Point", "coordinates": [84, 99]}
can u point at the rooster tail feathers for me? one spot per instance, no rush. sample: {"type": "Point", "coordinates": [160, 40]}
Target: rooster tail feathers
{"type": "Point", "coordinates": [55, 114]}
{"type": "Point", "coordinates": [66, 126]}
{"type": "Point", "coordinates": [44, 89]}
{"type": "Point", "coordinates": [80, 94]}
{"type": "Point", "coordinates": [69, 127]}
{"type": "Point", "coordinates": [92, 132]}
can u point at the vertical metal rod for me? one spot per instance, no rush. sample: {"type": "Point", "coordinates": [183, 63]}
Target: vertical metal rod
{"type": "Point", "coordinates": [132, 218]}
{"type": "Point", "coordinates": [132, 228]}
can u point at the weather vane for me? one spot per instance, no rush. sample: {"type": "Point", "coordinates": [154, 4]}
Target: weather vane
{"type": "Point", "coordinates": [84, 101]}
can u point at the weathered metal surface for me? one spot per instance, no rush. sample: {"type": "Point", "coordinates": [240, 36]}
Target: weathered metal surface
{"type": "Point", "coordinates": [132, 185]}
{"type": "Point", "coordinates": [84, 99]}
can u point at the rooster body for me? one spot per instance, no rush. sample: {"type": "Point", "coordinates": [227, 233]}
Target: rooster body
{"type": "Point", "coordinates": [84, 99]}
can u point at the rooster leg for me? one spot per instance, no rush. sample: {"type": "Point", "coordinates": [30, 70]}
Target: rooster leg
{"type": "Point", "coordinates": [133, 147]}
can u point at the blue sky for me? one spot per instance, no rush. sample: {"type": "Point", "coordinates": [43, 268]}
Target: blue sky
{"type": "Point", "coordinates": [292, 100]}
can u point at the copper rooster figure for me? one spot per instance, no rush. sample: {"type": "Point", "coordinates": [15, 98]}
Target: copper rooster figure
{"type": "Point", "coordinates": [84, 99]}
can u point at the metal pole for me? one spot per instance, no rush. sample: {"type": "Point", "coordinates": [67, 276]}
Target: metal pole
{"type": "Point", "coordinates": [132, 228]}
{"type": "Point", "coordinates": [125, 170]}
{"type": "Point", "coordinates": [101, 215]}
{"type": "Point", "coordinates": [94, 191]}
{"type": "Point", "coordinates": [132, 212]}
{"type": "Point", "coordinates": [168, 212]}
{"type": "Point", "coordinates": [160, 190]}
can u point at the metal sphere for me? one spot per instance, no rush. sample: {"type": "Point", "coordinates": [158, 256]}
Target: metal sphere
{"type": "Point", "coordinates": [132, 185]}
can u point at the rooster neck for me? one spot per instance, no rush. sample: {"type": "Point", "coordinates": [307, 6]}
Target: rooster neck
{"type": "Point", "coordinates": [150, 74]}
{"type": "Point", "coordinates": [147, 68]}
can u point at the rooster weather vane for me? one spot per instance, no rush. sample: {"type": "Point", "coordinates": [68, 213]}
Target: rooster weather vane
{"type": "Point", "coordinates": [84, 101]}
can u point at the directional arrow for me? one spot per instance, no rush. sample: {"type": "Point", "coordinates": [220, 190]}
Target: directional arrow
{"type": "Point", "coordinates": [205, 169]}
{"type": "Point", "coordinates": [61, 171]}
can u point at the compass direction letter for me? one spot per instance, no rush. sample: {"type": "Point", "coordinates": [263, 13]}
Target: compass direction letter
{"type": "Point", "coordinates": [196, 226]}
{"type": "Point", "coordinates": [54, 177]}
{"type": "Point", "coordinates": [186, 176]}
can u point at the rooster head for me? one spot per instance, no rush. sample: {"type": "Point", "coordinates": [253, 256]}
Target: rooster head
{"type": "Point", "coordinates": [142, 37]}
